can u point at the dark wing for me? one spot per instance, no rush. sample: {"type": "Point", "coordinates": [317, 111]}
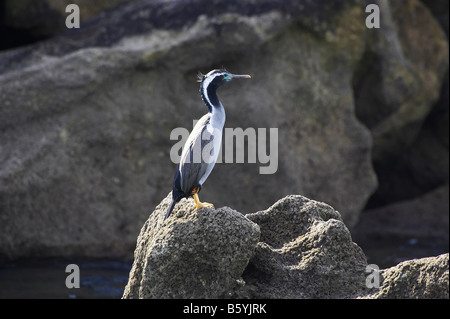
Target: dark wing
{"type": "Point", "coordinates": [195, 159]}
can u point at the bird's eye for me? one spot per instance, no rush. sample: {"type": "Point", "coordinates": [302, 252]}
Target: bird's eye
{"type": "Point", "coordinates": [227, 77]}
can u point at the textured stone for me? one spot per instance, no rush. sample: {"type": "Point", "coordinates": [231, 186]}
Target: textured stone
{"type": "Point", "coordinates": [305, 251]}
{"type": "Point", "coordinates": [193, 254]}
{"type": "Point", "coordinates": [297, 248]}
{"type": "Point", "coordinates": [425, 278]}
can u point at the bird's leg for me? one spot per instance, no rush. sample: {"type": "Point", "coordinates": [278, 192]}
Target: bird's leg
{"type": "Point", "coordinates": [198, 203]}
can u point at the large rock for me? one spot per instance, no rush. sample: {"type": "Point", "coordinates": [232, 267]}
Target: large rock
{"type": "Point", "coordinates": [425, 278]}
{"type": "Point", "coordinates": [193, 254]}
{"type": "Point", "coordinates": [297, 248]}
{"type": "Point", "coordinates": [305, 251]}
{"type": "Point", "coordinates": [86, 117]}
{"type": "Point", "coordinates": [401, 78]}
{"type": "Point", "coordinates": [300, 248]}
{"type": "Point", "coordinates": [397, 86]}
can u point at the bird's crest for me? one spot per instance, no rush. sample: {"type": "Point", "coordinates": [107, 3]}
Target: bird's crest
{"type": "Point", "coordinates": [200, 76]}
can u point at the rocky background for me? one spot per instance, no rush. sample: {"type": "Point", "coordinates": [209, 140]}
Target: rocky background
{"type": "Point", "coordinates": [86, 115]}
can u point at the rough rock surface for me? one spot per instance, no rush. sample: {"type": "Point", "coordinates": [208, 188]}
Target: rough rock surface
{"type": "Point", "coordinates": [300, 248]}
{"type": "Point", "coordinates": [305, 251]}
{"type": "Point", "coordinates": [193, 254]}
{"type": "Point", "coordinates": [297, 248]}
{"type": "Point", "coordinates": [415, 279]}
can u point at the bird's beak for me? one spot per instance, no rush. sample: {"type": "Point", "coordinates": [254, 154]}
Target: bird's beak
{"type": "Point", "coordinates": [240, 76]}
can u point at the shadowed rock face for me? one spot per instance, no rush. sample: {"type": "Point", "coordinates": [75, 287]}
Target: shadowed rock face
{"type": "Point", "coordinates": [85, 117]}
{"type": "Point", "coordinates": [297, 248]}
{"type": "Point", "coordinates": [48, 17]}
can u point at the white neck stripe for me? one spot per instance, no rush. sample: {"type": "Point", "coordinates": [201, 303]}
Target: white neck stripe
{"type": "Point", "coordinates": [206, 82]}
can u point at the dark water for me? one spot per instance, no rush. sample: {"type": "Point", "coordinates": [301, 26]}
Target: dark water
{"type": "Point", "coordinates": [101, 278]}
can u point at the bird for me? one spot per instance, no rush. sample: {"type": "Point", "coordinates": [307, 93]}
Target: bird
{"type": "Point", "coordinates": [199, 154]}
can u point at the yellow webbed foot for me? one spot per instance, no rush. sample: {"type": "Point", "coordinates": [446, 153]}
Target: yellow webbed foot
{"type": "Point", "coordinates": [199, 204]}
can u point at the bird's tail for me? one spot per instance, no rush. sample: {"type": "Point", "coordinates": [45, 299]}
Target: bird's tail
{"type": "Point", "coordinates": [176, 196]}
{"type": "Point", "coordinates": [170, 209]}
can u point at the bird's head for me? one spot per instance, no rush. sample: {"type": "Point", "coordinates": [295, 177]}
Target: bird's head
{"type": "Point", "coordinates": [216, 78]}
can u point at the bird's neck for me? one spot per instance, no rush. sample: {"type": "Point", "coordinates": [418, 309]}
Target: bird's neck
{"type": "Point", "coordinates": [210, 98]}
{"type": "Point", "coordinates": [216, 108]}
